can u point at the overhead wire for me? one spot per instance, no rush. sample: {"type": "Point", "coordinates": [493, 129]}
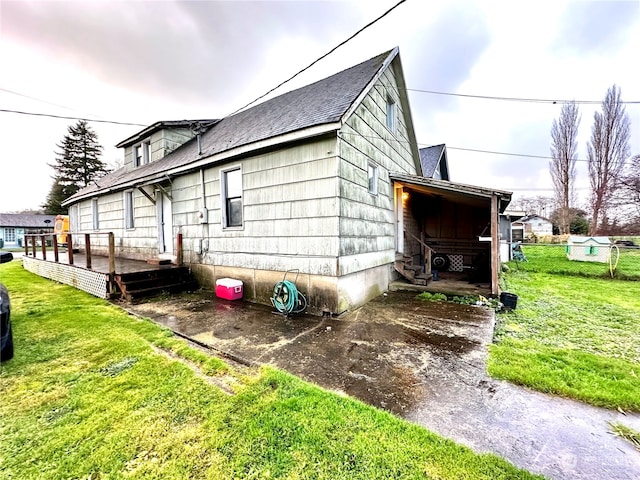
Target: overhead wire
{"type": "Point", "coordinates": [351, 37]}
{"type": "Point", "coordinates": [517, 99]}
{"type": "Point", "coordinates": [69, 117]}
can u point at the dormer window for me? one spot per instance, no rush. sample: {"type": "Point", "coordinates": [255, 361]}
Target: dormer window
{"type": "Point", "coordinates": [141, 154]}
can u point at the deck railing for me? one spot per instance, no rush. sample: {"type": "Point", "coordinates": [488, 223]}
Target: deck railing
{"type": "Point", "coordinates": [31, 240]}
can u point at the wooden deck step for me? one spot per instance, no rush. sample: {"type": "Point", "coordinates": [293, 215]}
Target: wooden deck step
{"type": "Point", "coordinates": [143, 284]}
{"type": "Point", "coordinates": [137, 294]}
{"type": "Point", "coordinates": [414, 273]}
{"type": "Point", "coordinates": [159, 261]}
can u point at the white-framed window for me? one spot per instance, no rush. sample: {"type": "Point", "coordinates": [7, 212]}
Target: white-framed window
{"type": "Point", "coordinates": [94, 213]}
{"type": "Point", "coordinates": [10, 235]}
{"type": "Point", "coordinates": [128, 210]}
{"type": "Point", "coordinates": [141, 154]}
{"type": "Point", "coordinates": [392, 114]}
{"type": "Point", "coordinates": [231, 181]}
{"type": "Point", "coordinates": [372, 171]}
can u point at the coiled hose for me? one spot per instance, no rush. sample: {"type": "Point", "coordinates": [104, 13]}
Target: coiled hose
{"type": "Point", "coordinates": [287, 299]}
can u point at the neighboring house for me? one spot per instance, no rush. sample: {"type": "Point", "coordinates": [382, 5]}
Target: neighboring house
{"type": "Point", "coordinates": [434, 162]}
{"type": "Point", "coordinates": [588, 249]}
{"type": "Point", "coordinates": [316, 180]}
{"type": "Point", "coordinates": [14, 226]}
{"type": "Point", "coordinates": [533, 225]}
{"type": "Point", "coordinates": [510, 232]}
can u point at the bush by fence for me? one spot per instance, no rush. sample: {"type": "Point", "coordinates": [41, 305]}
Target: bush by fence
{"type": "Point", "coordinates": [552, 258]}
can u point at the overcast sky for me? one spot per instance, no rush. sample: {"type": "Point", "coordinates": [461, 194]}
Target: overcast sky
{"type": "Point", "coordinates": [140, 62]}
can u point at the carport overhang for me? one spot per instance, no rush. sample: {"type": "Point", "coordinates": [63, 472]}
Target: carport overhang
{"type": "Point", "coordinates": [496, 200]}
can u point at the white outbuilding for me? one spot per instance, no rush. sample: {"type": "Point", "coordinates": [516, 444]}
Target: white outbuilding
{"type": "Point", "coordinates": [588, 249]}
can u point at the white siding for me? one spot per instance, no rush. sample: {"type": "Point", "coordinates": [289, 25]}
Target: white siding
{"type": "Point", "coordinates": [367, 228]}
{"type": "Point", "coordinates": [290, 212]}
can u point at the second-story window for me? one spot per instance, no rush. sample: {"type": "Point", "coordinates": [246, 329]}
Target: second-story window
{"type": "Point", "coordinates": [141, 154]}
{"type": "Point", "coordinates": [373, 178]}
{"type": "Point", "coordinates": [392, 114]}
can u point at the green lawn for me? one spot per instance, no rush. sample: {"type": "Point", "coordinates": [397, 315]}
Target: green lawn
{"type": "Point", "coordinates": [95, 393]}
{"type": "Point", "coordinates": [553, 259]}
{"type": "Point", "coordinates": [570, 335]}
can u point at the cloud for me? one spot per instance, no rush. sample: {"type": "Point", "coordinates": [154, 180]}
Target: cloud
{"type": "Point", "coordinates": [442, 57]}
{"type": "Point", "coordinates": [181, 50]}
{"type": "Point", "coordinates": [596, 27]}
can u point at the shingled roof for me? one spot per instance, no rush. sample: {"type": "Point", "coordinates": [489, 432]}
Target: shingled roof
{"type": "Point", "coordinates": [26, 220]}
{"type": "Point", "coordinates": [322, 103]}
{"type": "Point", "coordinates": [431, 157]}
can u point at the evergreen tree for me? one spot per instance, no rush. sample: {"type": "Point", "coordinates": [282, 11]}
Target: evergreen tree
{"type": "Point", "coordinates": [57, 194]}
{"type": "Point", "coordinates": [77, 164]}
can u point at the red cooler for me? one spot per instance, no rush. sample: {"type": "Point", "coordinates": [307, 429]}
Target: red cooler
{"type": "Point", "coordinates": [229, 289]}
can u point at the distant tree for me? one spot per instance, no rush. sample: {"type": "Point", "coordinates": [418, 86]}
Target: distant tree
{"type": "Point", "coordinates": [77, 164]}
{"type": "Point", "coordinates": [562, 167]}
{"type": "Point", "coordinates": [607, 153]}
{"type": "Point", "coordinates": [579, 225]}
{"type": "Point", "coordinates": [538, 205]}
{"type": "Point", "coordinates": [578, 222]}
{"type": "Point", "coordinates": [630, 183]}
{"type": "Point", "coordinates": [57, 194]}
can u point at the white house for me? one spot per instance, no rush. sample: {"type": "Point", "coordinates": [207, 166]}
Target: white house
{"type": "Point", "coordinates": [533, 225]}
{"type": "Point", "coordinates": [326, 179]}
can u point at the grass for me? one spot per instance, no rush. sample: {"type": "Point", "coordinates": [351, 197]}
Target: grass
{"type": "Point", "coordinates": [91, 393]}
{"type": "Point", "coordinates": [553, 259]}
{"type": "Point", "coordinates": [629, 434]}
{"type": "Point", "coordinates": [570, 335]}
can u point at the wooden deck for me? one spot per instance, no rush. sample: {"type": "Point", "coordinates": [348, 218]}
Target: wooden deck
{"type": "Point", "coordinates": [100, 263]}
{"type": "Point", "coordinates": [130, 280]}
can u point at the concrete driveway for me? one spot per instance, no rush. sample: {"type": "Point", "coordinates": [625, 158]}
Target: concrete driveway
{"type": "Point", "coordinates": [422, 361]}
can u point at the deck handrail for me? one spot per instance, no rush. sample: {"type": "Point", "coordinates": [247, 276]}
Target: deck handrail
{"type": "Point", "coordinates": [68, 236]}
{"type": "Point", "coordinates": [87, 241]}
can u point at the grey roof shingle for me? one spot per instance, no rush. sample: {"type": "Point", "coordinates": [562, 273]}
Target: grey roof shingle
{"type": "Point", "coordinates": [429, 159]}
{"type": "Point", "coordinates": [322, 102]}
{"type": "Point", "coordinates": [26, 220]}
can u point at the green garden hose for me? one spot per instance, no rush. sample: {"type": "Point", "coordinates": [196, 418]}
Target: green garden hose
{"type": "Point", "coordinates": [287, 299]}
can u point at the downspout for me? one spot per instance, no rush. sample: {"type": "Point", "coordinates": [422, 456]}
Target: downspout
{"type": "Point", "coordinates": [205, 225]}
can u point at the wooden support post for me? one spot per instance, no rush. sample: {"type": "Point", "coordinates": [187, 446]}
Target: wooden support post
{"type": "Point", "coordinates": [495, 246]}
{"type": "Point", "coordinates": [112, 255]}
{"type": "Point", "coordinates": [112, 264]}
{"type": "Point", "coordinates": [43, 246]}
{"type": "Point", "coordinates": [87, 247]}
{"type": "Point", "coordinates": [54, 244]}
{"type": "Point", "coordinates": [26, 246]}
{"type": "Point", "coordinates": [70, 248]}
{"type": "Point", "coordinates": [33, 245]}
{"type": "Point", "coordinates": [179, 252]}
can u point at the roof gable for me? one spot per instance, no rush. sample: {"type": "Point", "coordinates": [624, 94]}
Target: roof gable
{"type": "Point", "coordinates": [573, 239]}
{"type": "Point", "coordinates": [433, 157]}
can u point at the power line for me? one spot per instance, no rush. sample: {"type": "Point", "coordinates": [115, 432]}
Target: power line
{"type": "Point", "coordinates": [64, 117]}
{"type": "Point", "coordinates": [322, 57]}
{"type": "Point", "coordinates": [40, 100]}
{"type": "Point", "coordinates": [517, 99]}
{"type": "Point", "coordinates": [476, 150]}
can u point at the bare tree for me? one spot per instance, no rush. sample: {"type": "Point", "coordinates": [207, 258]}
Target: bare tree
{"type": "Point", "coordinates": [538, 205]}
{"type": "Point", "coordinates": [630, 183]}
{"type": "Point", "coordinates": [607, 152]}
{"type": "Point", "coordinates": [562, 167]}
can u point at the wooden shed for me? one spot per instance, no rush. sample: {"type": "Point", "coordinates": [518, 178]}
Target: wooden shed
{"type": "Point", "coordinates": [588, 249]}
